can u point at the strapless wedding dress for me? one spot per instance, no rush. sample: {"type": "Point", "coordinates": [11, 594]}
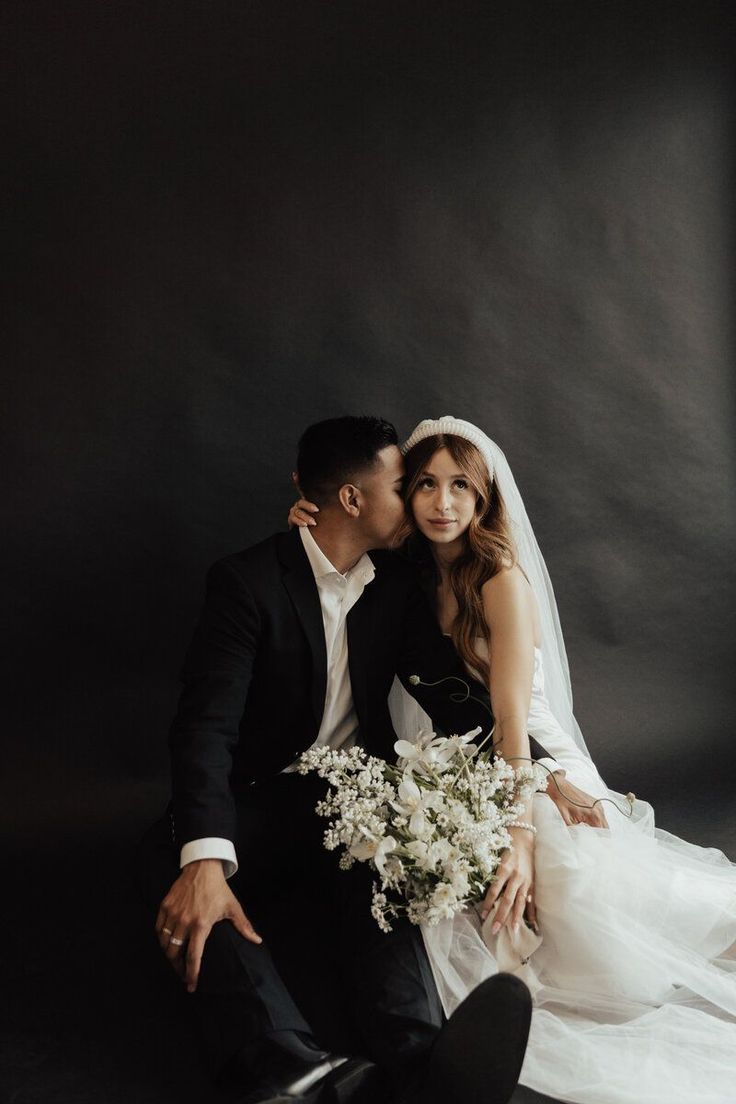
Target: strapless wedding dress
{"type": "Point", "coordinates": [634, 982]}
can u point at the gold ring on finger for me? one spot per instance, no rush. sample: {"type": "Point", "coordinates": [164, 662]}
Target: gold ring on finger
{"type": "Point", "coordinates": [167, 931]}
{"type": "Point", "coordinates": [528, 896]}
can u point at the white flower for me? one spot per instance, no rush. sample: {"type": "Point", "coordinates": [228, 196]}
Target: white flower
{"type": "Point", "coordinates": [393, 872]}
{"type": "Point", "coordinates": [420, 850]}
{"type": "Point", "coordinates": [413, 802]}
{"type": "Point", "coordinates": [419, 825]}
{"type": "Point", "coordinates": [440, 751]}
{"type": "Point", "coordinates": [444, 901]}
{"type": "Point", "coordinates": [411, 753]}
{"type": "Point", "coordinates": [460, 884]}
{"type": "Point", "coordinates": [371, 847]}
{"type": "Point", "coordinates": [381, 910]}
{"type": "Point", "coordinates": [442, 851]}
{"type": "Point", "coordinates": [409, 792]}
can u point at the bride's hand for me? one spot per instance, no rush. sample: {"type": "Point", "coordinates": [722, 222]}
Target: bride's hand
{"type": "Point", "coordinates": [575, 805]}
{"type": "Point", "coordinates": [512, 884]}
{"type": "Point", "coordinates": [300, 514]}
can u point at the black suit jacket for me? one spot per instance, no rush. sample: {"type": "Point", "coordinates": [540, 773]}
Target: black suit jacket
{"type": "Point", "coordinates": [255, 676]}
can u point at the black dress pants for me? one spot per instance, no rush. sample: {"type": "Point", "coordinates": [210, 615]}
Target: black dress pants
{"type": "Point", "coordinates": [300, 902]}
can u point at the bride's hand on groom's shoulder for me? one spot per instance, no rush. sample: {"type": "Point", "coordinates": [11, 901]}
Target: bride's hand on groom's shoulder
{"type": "Point", "coordinates": [197, 900]}
{"type": "Point", "coordinates": [575, 805]}
{"type": "Point", "coordinates": [300, 514]}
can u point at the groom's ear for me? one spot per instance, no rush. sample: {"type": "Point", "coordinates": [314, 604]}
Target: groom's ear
{"type": "Point", "coordinates": [349, 497]}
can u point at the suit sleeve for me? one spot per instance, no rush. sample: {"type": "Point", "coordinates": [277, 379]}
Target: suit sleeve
{"type": "Point", "coordinates": [425, 652]}
{"type": "Point", "coordinates": [216, 676]}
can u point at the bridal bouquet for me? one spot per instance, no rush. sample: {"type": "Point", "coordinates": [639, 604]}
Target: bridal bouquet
{"type": "Point", "coordinates": [432, 826]}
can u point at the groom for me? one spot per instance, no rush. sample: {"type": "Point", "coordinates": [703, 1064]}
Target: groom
{"type": "Point", "coordinates": [298, 643]}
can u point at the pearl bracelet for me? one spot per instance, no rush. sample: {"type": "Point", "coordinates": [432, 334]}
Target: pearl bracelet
{"type": "Point", "coordinates": [522, 824]}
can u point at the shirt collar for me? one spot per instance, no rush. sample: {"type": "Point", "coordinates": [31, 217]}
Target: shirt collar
{"type": "Point", "coordinates": [321, 566]}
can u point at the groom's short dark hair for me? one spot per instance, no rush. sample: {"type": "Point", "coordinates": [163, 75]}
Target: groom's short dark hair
{"type": "Point", "coordinates": [336, 451]}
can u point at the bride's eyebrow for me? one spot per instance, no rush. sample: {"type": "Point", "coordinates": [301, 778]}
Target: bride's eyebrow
{"type": "Point", "coordinates": [431, 475]}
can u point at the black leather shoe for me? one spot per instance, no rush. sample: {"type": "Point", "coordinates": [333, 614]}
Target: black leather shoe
{"type": "Point", "coordinates": [280, 1078]}
{"type": "Point", "coordinates": [357, 1081]}
{"type": "Point", "coordinates": [477, 1056]}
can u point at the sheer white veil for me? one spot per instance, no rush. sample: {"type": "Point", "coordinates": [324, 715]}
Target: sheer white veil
{"type": "Point", "coordinates": [554, 655]}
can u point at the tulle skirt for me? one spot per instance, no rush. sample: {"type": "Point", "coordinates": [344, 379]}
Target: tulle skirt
{"type": "Point", "coordinates": [634, 982]}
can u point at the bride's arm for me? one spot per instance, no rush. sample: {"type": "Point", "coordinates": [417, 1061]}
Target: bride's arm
{"type": "Point", "coordinates": [508, 614]}
{"type": "Point", "coordinates": [507, 609]}
{"type": "Point", "coordinates": [508, 605]}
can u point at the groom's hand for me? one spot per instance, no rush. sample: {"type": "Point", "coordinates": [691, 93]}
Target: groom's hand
{"type": "Point", "coordinates": [575, 806]}
{"type": "Point", "coordinates": [199, 897]}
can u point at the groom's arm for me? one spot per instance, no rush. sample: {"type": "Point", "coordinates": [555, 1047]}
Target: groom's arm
{"type": "Point", "coordinates": [216, 674]}
{"type": "Point", "coordinates": [425, 652]}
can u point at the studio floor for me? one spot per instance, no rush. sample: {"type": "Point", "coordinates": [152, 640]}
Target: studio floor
{"type": "Point", "coordinates": [91, 1014]}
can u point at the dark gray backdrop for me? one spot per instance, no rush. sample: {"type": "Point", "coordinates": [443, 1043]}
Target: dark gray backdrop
{"type": "Point", "coordinates": [232, 219]}
{"type": "Point", "coordinates": [235, 219]}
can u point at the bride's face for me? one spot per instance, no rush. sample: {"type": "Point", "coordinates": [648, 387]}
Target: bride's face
{"type": "Point", "coordinates": [444, 501]}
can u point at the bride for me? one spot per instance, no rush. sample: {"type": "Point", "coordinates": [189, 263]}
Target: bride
{"type": "Point", "coordinates": [624, 933]}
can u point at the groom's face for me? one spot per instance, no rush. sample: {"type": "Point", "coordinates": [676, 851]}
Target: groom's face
{"type": "Point", "coordinates": [383, 498]}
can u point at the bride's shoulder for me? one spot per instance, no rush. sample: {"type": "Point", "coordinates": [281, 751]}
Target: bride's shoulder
{"type": "Point", "coordinates": [506, 590]}
{"type": "Point", "coordinates": [508, 579]}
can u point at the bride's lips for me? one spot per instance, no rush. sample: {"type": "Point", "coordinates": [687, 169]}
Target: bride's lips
{"type": "Point", "coordinates": [442, 523]}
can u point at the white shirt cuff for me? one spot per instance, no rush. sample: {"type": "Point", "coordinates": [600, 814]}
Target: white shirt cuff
{"type": "Point", "coordinates": [551, 765]}
{"type": "Point", "coordinates": [212, 847]}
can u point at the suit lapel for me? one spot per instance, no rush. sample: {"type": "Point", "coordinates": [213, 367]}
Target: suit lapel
{"type": "Point", "coordinates": [302, 589]}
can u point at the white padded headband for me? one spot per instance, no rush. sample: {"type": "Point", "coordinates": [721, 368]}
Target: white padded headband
{"type": "Point", "coordinates": [457, 428]}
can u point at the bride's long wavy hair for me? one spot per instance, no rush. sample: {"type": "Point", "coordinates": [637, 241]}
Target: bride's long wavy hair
{"type": "Point", "coordinates": [488, 542]}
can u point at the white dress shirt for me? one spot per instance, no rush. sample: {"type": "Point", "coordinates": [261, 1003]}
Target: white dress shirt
{"type": "Point", "coordinates": [337, 595]}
